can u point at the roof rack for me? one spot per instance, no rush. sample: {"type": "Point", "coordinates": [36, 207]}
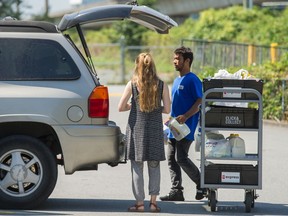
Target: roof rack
{"type": "Point", "coordinates": [9, 24]}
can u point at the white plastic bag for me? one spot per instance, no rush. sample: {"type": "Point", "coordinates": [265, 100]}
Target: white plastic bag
{"type": "Point", "coordinates": [240, 74]}
{"type": "Point", "coordinates": [216, 145]}
{"type": "Point", "coordinates": [223, 74]}
{"type": "Point", "coordinates": [197, 138]}
{"type": "Point", "coordinates": [243, 74]}
{"type": "Point", "coordinates": [165, 133]}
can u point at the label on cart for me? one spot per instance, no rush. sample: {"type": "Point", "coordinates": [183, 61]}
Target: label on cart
{"type": "Point", "coordinates": [232, 120]}
{"type": "Point", "coordinates": [230, 177]}
{"type": "Point", "coordinates": [231, 94]}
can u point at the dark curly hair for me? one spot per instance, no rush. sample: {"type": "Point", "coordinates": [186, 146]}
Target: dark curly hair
{"type": "Point", "coordinates": [186, 53]}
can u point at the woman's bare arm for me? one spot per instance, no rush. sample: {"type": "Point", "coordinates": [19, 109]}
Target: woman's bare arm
{"type": "Point", "coordinates": [166, 99]}
{"type": "Point", "coordinates": [123, 103]}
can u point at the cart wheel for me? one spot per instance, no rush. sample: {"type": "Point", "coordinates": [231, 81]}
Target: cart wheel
{"type": "Point", "coordinates": [254, 196]}
{"type": "Point", "coordinates": [209, 196]}
{"type": "Point", "coordinates": [213, 200]}
{"type": "Point", "coordinates": [248, 201]}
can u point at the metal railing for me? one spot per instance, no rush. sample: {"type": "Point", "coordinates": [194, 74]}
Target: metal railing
{"type": "Point", "coordinates": [115, 62]}
{"type": "Point", "coordinates": [219, 54]}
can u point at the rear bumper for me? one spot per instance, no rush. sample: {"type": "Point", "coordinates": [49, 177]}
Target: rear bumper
{"type": "Point", "coordinates": [89, 145]}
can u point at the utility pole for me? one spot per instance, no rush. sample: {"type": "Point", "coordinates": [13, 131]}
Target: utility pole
{"type": "Point", "coordinates": [248, 4]}
{"type": "Point", "coordinates": [17, 7]}
{"type": "Point", "coordinates": [46, 8]}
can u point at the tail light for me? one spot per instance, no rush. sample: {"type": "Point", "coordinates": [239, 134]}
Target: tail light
{"type": "Point", "coordinates": [98, 103]}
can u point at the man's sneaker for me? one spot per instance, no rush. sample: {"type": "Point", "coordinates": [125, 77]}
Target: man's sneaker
{"type": "Point", "coordinates": [200, 193]}
{"type": "Point", "coordinates": [174, 195]}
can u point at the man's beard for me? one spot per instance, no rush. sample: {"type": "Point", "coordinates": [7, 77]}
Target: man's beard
{"type": "Point", "coordinates": [178, 68]}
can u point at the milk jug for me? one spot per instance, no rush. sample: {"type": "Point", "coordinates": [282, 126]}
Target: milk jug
{"type": "Point", "coordinates": [197, 138]}
{"type": "Point", "coordinates": [237, 145]}
{"type": "Point", "coordinates": [179, 131]}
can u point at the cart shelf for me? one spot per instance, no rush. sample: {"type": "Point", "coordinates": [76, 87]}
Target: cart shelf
{"type": "Point", "coordinates": [232, 172]}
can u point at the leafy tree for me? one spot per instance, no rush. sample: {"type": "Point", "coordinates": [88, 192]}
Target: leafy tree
{"type": "Point", "coordinates": [131, 32]}
{"type": "Point", "coordinates": [258, 26]}
{"type": "Point", "coordinates": [273, 74]}
{"type": "Point", "coordinates": [10, 8]}
{"type": "Point", "coordinates": [235, 24]}
{"type": "Point", "coordinates": [225, 24]}
{"type": "Point", "coordinates": [176, 34]}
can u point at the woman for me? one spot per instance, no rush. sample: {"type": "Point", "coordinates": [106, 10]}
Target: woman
{"type": "Point", "coordinates": [145, 140]}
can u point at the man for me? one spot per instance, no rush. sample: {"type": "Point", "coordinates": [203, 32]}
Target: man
{"type": "Point", "coordinates": [186, 99]}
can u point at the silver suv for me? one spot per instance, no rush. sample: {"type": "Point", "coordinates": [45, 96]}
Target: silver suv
{"type": "Point", "coordinates": [54, 111]}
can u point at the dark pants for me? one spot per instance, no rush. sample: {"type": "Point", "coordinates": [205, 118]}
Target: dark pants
{"type": "Point", "coordinates": [178, 158]}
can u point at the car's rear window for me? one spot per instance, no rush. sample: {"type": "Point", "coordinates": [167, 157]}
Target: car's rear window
{"type": "Point", "coordinates": [35, 59]}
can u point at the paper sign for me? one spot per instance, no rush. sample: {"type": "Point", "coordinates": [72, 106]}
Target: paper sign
{"type": "Point", "coordinates": [231, 94]}
{"type": "Point", "coordinates": [230, 177]}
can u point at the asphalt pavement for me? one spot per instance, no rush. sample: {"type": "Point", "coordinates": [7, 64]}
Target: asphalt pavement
{"type": "Point", "coordinates": [108, 191]}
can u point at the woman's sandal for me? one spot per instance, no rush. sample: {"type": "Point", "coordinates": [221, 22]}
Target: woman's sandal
{"type": "Point", "coordinates": [136, 208]}
{"type": "Point", "coordinates": [155, 209]}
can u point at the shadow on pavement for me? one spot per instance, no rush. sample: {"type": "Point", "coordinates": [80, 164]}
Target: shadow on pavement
{"type": "Point", "coordinates": [57, 206]}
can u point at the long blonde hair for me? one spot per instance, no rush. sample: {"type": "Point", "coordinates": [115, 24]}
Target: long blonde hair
{"type": "Point", "coordinates": [146, 79]}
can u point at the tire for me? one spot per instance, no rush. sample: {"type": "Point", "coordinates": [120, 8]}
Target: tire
{"type": "Point", "coordinates": [253, 198]}
{"type": "Point", "coordinates": [28, 172]}
{"type": "Point", "coordinates": [248, 201]}
{"type": "Point", "coordinates": [209, 197]}
{"type": "Point", "coordinates": [213, 200]}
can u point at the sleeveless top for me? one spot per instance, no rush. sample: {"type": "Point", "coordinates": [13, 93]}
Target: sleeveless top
{"type": "Point", "coordinates": [144, 132]}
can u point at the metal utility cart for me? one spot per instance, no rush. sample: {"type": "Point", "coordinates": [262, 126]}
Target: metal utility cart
{"type": "Point", "coordinates": [232, 172]}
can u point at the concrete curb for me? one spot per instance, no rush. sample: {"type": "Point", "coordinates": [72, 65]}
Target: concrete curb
{"type": "Point", "coordinates": [275, 123]}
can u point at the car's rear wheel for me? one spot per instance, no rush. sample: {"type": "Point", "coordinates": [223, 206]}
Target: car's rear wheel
{"type": "Point", "coordinates": [28, 172]}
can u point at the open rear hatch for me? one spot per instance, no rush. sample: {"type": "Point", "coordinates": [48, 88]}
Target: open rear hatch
{"type": "Point", "coordinates": [142, 15]}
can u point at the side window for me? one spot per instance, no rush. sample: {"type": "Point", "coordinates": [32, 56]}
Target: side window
{"type": "Point", "coordinates": [35, 59]}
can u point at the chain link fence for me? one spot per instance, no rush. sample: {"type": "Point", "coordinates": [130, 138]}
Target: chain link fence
{"type": "Point", "coordinates": [114, 63]}
{"type": "Point", "coordinates": [221, 55]}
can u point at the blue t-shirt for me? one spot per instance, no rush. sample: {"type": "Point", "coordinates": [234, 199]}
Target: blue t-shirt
{"type": "Point", "coordinates": [185, 91]}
